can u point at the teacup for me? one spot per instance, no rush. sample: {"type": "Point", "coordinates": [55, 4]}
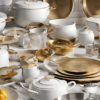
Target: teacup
{"type": "Point", "coordinates": [90, 88]}
{"type": "Point", "coordinates": [30, 72]}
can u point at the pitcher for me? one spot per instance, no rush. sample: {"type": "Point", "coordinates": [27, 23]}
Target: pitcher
{"type": "Point", "coordinates": [38, 37]}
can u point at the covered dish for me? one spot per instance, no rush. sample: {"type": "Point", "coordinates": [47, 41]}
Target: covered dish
{"type": "Point", "coordinates": [27, 12]}
{"type": "Point", "coordinates": [93, 23]}
{"type": "Point", "coordinates": [48, 88]}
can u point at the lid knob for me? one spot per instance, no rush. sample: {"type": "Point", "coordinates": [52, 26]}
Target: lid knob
{"type": "Point", "coordinates": [49, 77]}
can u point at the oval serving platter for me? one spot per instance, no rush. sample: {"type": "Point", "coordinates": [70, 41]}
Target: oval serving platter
{"type": "Point", "coordinates": [63, 8]}
{"type": "Point", "coordinates": [91, 7]}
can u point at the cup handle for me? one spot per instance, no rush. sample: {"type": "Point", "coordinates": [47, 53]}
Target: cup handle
{"type": "Point", "coordinates": [50, 68]}
{"type": "Point", "coordinates": [74, 84]}
{"type": "Point", "coordinates": [26, 88]}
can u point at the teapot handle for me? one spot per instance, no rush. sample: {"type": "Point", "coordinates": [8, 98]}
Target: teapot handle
{"type": "Point", "coordinates": [26, 88]}
{"type": "Point", "coordinates": [50, 68]}
{"type": "Point", "coordinates": [74, 84]}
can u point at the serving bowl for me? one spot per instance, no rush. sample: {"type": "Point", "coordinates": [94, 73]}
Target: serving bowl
{"type": "Point", "coordinates": [79, 96]}
{"type": "Point", "coordinates": [44, 53]}
{"type": "Point", "coordinates": [62, 46]}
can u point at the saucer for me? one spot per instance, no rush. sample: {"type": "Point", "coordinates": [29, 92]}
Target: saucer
{"type": "Point", "coordinates": [21, 97]}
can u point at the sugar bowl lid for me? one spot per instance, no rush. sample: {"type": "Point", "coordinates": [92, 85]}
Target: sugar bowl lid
{"type": "Point", "coordinates": [48, 82]}
{"type": "Point", "coordinates": [31, 4]}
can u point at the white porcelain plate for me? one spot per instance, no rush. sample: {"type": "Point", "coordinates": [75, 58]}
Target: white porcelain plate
{"type": "Point", "coordinates": [12, 94]}
{"type": "Point", "coordinates": [21, 97]}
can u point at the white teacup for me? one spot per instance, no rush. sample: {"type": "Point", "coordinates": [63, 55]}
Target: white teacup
{"type": "Point", "coordinates": [30, 72]}
{"type": "Point", "coordinates": [90, 88]}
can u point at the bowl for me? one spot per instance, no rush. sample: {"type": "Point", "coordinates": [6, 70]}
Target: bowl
{"type": "Point", "coordinates": [44, 53]}
{"type": "Point", "coordinates": [12, 95]}
{"type": "Point", "coordinates": [62, 46]}
{"type": "Point", "coordinates": [79, 96]}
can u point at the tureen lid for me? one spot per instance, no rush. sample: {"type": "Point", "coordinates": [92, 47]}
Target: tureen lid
{"type": "Point", "coordinates": [3, 16]}
{"type": "Point", "coordinates": [48, 82]}
{"type": "Point", "coordinates": [31, 4]}
{"type": "Point", "coordinates": [94, 19]}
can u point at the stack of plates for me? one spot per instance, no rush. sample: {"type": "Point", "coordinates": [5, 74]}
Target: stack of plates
{"type": "Point", "coordinates": [81, 70]}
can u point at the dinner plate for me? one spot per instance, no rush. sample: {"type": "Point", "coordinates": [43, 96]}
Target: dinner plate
{"type": "Point", "coordinates": [78, 65]}
{"type": "Point", "coordinates": [12, 94]}
{"type": "Point", "coordinates": [63, 8]}
{"type": "Point", "coordinates": [21, 97]}
{"type": "Point", "coordinates": [91, 7]}
{"type": "Point", "coordinates": [9, 40]}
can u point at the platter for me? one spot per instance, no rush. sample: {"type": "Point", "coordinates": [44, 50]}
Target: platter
{"type": "Point", "coordinates": [9, 40]}
{"type": "Point", "coordinates": [91, 7]}
{"type": "Point", "coordinates": [63, 8]}
{"type": "Point", "coordinates": [14, 31]}
{"type": "Point", "coordinates": [78, 65]}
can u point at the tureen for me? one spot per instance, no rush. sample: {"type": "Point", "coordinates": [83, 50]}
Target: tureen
{"type": "Point", "coordinates": [27, 12]}
{"type": "Point", "coordinates": [93, 23]}
{"type": "Point", "coordinates": [48, 88]}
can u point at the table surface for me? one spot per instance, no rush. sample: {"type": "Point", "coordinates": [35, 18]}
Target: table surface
{"type": "Point", "coordinates": [44, 72]}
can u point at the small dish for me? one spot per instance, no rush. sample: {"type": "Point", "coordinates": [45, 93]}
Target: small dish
{"type": "Point", "coordinates": [8, 40]}
{"type": "Point", "coordinates": [90, 88]}
{"type": "Point", "coordinates": [62, 46]}
{"type": "Point", "coordinates": [14, 31]}
{"type": "Point", "coordinates": [12, 94]}
{"type": "Point", "coordinates": [44, 53]}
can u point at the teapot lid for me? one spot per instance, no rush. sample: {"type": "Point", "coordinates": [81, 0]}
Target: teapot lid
{"type": "Point", "coordinates": [31, 4]}
{"type": "Point", "coordinates": [94, 19]}
{"type": "Point", "coordinates": [48, 82]}
{"type": "Point", "coordinates": [3, 16]}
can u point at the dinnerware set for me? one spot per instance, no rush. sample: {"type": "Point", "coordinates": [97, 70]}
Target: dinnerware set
{"type": "Point", "coordinates": [66, 71]}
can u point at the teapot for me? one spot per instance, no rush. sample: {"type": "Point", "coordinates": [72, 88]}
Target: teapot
{"type": "Point", "coordinates": [48, 88]}
{"type": "Point", "coordinates": [86, 36]}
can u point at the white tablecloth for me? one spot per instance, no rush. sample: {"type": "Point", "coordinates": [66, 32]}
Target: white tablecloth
{"type": "Point", "coordinates": [43, 72]}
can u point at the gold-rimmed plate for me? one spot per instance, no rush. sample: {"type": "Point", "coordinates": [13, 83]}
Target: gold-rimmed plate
{"type": "Point", "coordinates": [91, 7]}
{"type": "Point", "coordinates": [63, 8]}
{"type": "Point", "coordinates": [87, 80]}
{"type": "Point", "coordinates": [78, 65]}
{"type": "Point", "coordinates": [8, 40]}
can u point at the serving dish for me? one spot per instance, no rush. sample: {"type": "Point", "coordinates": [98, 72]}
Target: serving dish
{"type": "Point", "coordinates": [61, 46]}
{"type": "Point", "coordinates": [27, 12]}
{"type": "Point", "coordinates": [78, 96]}
{"type": "Point", "coordinates": [44, 53]}
{"type": "Point", "coordinates": [91, 7]}
{"type": "Point", "coordinates": [47, 88]}
{"type": "Point", "coordinates": [63, 8]}
{"type": "Point", "coordinates": [94, 24]}
{"type": "Point", "coordinates": [12, 94]}
{"type": "Point", "coordinates": [63, 28]}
